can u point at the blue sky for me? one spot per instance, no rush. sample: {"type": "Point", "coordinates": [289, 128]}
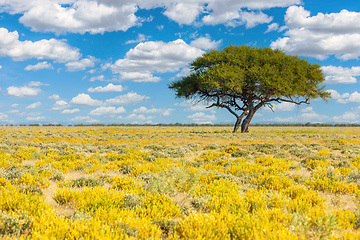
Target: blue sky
{"type": "Point", "coordinates": [110, 61]}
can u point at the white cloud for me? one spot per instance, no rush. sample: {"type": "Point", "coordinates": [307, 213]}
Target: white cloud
{"type": "Point", "coordinates": [99, 16]}
{"type": "Point", "coordinates": [80, 65]}
{"type": "Point", "coordinates": [24, 91]}
{"type": "Point", "coordinates": [345, 97]}
{"type": "Point", "coordinates": [183, 13]}
{"type": "Point", "coordinates": [34, 105]}
{"type": "Point", "coordinates": [129, 98]}
{"type": "Point", "coordinates": [112, 111]}
{"type": "Point", "coordinates": [85, 100]}
{"type": "Point", "coordinates": [237, 17]}
{"type": "Point", "coordinates": [79, 16]}
{"type": "Point", "coordinates": [321, 35]}
{"type": "Point", "coordinates": [70, 111]}
{"type": "Point", "coordinates": [14, 105]}
{"type": "Point", "coordinates": [205, 43]}
{"type": "Point", "coordinates": [54, 49]}
{"type": "Point", "coordinates": [352, 116]}
{"type": "Point", "coordinates": [140, 118]}
{"type": "Point", "coordinates": [4, 117]}
{"type": "Point", "coordinates": [229, 12]}
{"type": "Point", "coordinates": [144, 110]}
{"type": "Point", "coordinates": [336, 95]}
{"type": "Point", "coordinates": [85, 119]}
{"type": "Point", "coordinates": [140, 38]}
{"type": "Point", "coordinates": [35, 84]}
{"type": "Point", "coordinates": [272, 27]}
{"type": "Point", "coordinates": [350, 98]}
{"type": "Point", "coordinates": [145, 76]}
{"type": "Point", "coordinates": [39, 66]}
{"type": "Point", "coordinates": [109, 88]}
{"type": "Point", "coordinates": [202, 118]}
{"type": "Point", "coordinates": [38, 118]}
{"type": "Point", "coordinates": [54, 97]}
{"type": "Point", "coordinates": [146, 58]}
{"type": "Point", "coordinates": [15, 111]}
{"type": "Point", "coordinates": [60, 105]}
{"type": "Point", "coordinates": [340, 75]}
{"type": "Point", "coordinates": [97, 78]}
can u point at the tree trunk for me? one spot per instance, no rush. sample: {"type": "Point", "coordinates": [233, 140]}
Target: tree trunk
{"type": "Point", "coordinates": [245, 126]}
{"type": "Point", "coordinates": [237, 124]}
{"type": "Point", "coordinates": [246, 122]}
{"type": "Point", "coordinates": [238, 120]}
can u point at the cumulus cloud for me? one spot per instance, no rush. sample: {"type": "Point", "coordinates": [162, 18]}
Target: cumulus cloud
{"type": "Point", "coordinates": [25, 91]}
{"type": "Point", "coordinates": [111, 111]}
{"type": "Point", "coordinates": [4, 117]}
{"type": "Point", "coordinates": [85, 119]}
{"type": "Point", "coordinates": [336, 95]}
{"type": "Point", "coordinates": [54, 49]}
{"type": "Point", "coordinates": [99, 16]}
{"type": "Point", "coordinates": [184, 13]}
{"type": "Point", "coordinates": [97, 78]}
{"type": "Point", "coordinates": [109, 88]}
{"type": "Point", "coordinates": [272, 27]}
{"type": "Point", "coordinates": [345, 97]}
{"type": "Point", "coordinates": [350, 98]}
{"type": "Point", "coordinates": [80, 65]}
{"type": "Point", "coordinates": [60, 105]}
{"type": "Point", "coordinates": [140, 38]}
{"type": "Point", "coordinates": [35, 84]}
{"type": "Point", "coordinates": [144, 110]}
{"type": "Point", "coordinates": [34, 105]}
{"type": "Point", "coordinates": [321, 35]}
{"type": "Point", "coordinates": [146, 58]}
{"type": "Point", "coordinates": [352, 116]}
{"type": "Point", "coordinates": [202, 118]}
{"type": "Point", "coordinates": [205, 43]}
{"type": "Point", "coordinates": [70, 111]}
{"type": "Point", "coordinates": [54, 97]}
{"type": "Point", "coordinates": [340, 75]}
{"type": "Point", "coordinates": [228, 12]}
{"type": "Point", "coordinates": [85, 100]}
{"type": "Point", "coordinates": [129, 98]}
{"type": "Point", "coordinates": [78, 16]}
{"type": "Point", "coordinates": [139, 118]}
{"type": "Point", "coordinates": [39, 66]}
{"type": "Point", "coordinates": [37, 118]}
{"type": "Point", "coordinates": [235, 18]}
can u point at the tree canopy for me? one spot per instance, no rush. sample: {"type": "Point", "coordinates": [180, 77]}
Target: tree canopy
{"type": "Point", "coordinates": [243, 79]}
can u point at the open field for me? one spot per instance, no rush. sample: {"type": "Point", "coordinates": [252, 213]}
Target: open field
{"type": "Point", "coordinates": [179, 183]}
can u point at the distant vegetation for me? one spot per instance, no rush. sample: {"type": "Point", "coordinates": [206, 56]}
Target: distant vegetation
{"type": "Point", "coordinates": [193, 125]}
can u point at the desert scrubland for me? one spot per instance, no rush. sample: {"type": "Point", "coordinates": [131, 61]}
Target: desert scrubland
{"type": "Point", "coordinates": [179, 183]}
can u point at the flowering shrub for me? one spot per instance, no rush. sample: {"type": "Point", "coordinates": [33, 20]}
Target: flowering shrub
{"type": "Point", "coordinates": [179, 183]}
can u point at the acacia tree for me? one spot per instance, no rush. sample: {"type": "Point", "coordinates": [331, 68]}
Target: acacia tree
{"type": "Point", "coordinates": [243, 79]}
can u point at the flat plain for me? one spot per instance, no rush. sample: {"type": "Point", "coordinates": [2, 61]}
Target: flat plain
{"type": "Point", "coordinates": [179, 183]}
